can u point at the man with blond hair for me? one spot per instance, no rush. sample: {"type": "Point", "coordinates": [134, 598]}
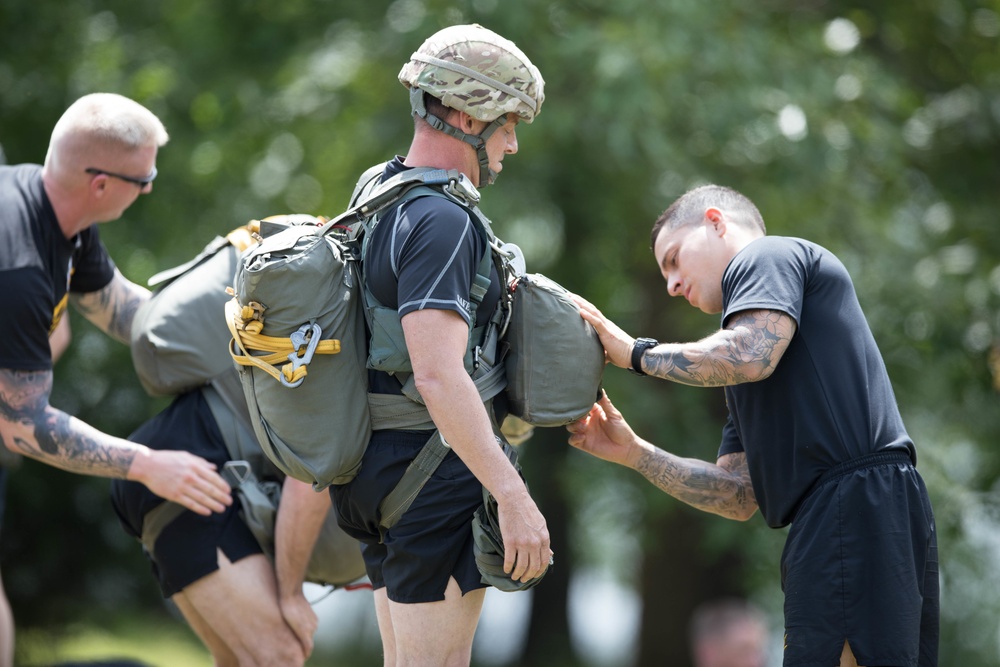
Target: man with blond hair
{"type": "Point", "coordinates": [101, 157]}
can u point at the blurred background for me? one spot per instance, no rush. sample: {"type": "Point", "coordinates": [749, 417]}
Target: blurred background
{"type": "Point", "coordinates": [870, 127]}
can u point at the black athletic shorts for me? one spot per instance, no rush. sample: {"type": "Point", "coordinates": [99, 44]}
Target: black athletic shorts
{"type": "Point", "coordinates": [187, 548]}
{"type": "Point", "coordinates": [860, 564]}
{"type": "Point", "coordinates": [432, 540]}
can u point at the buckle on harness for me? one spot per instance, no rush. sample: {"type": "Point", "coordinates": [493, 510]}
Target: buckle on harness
{"type": "Point", "coordinates": [306, 336]}
{"type": "Point", "coordinates": [462, 188]}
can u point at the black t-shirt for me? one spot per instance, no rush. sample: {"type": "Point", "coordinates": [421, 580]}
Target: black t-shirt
{"type": "Point", "coordinates": [424, 254]}
{"type": "Point", "coordinates": [829, 400]}
{"type": "Point", "coordinates": [38, 267]}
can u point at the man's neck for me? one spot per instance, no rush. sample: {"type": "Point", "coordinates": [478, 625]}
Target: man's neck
{"type": "Point", "coordinates": [69, 213]}
{"type": "Point", "coordinates": [438, 150]}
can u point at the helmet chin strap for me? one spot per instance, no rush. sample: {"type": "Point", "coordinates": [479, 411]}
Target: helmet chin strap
{"type": "Point", "coordinates": [477, 141]}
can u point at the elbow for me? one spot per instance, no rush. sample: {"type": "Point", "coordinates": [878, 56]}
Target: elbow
{"type": "Point", "coordinates": [430, 384]}
{"type": "Point", "coordinates": [757, 372]}
{"type": "Point", "coordinates": [743, 510]}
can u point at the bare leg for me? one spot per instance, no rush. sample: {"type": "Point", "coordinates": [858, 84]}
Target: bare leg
{"type": "Point", "coordinates": [235, 612]}
{"type": "Point", "coordinates": [6, 631]}
{"type": "Point", "coordinates": [433, 634]}
{"type": "Point", "coordinates": [847, 657]}
{"type": "Point", "coordinates": [221, 654]}
{"type": "Point", "coordinates": [385, 629]}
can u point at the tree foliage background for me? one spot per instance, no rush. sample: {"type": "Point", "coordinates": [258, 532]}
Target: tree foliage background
{"type": "Point", "coordinates": [872, 128]}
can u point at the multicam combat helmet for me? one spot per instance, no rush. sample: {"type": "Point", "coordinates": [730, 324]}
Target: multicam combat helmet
{"type": "Point", "coordinates": [475, 70]}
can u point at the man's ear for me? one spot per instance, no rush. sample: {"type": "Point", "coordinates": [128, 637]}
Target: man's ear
{"type": "Point", "coordinates": [714, 217]}
{"type": "Point", "coordinates": [98, 185]}
{"type": "Point", "coordinates": [470, 124]}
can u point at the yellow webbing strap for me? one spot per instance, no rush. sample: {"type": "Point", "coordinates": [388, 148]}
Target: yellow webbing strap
{"type": "Point", "coordinates": [242, 238]}
{"type": "Point", "coordinates": [277, 349]}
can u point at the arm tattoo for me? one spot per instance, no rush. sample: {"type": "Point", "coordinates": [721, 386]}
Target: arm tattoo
{"type": "Point", "coordinates": [113, 308]}
{"type": "Point", "coordinates": [33, 428]}
{"type": "Point", "coordinates": [722, 489]}
{"type": "Point", "coordinates": [747, 350]}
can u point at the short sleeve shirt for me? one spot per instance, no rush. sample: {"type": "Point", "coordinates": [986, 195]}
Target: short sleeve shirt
{"type": "Point", "coordinates": [39, 267]}
{"type": "Point", "coordinates": [424, 254]}
{"type": "Point", "coordinates": [830, 399]}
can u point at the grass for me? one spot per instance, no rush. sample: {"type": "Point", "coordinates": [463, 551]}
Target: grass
{"type": "Point", "coordinates": [149, 641]}
{"type": "Point", "coordinates": [152, 642]}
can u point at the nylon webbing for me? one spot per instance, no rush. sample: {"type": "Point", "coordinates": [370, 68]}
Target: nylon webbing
{"type": "Point", "coordinates": [419, 471]}
{"type": "Point", "coordinates": [279, 349]}
{"type": "Point", "coordinates": [394, 411]}
{"type": "Point", "coordinates": [156, 520]}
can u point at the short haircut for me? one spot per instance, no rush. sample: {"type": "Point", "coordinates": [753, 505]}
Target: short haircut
{"type": "Point", "coordinates": [114, 119]}
{"type": "Point", "coordinates": [102, 123]}
{"type": "Point", "coordinates": [689, 208]}
{"type": "Point", "coordinates": [435, 106]}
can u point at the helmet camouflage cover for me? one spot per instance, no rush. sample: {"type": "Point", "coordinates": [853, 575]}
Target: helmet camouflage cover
{"type": "Point", "coordinates": [475, 70]}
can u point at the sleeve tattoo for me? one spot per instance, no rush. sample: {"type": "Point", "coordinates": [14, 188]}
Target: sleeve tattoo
{"type": "Point", "coordinates": [113, 308]}
{"type": "Point", "coordinates": [747, 350]}
{"type": "Point", "coordinates": [33, 428]}
{"type": "Point", "coordinates": [722, 489]}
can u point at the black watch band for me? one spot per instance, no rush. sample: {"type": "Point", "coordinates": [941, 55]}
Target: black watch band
{"type": "Point", "coordinates": [638, 349]}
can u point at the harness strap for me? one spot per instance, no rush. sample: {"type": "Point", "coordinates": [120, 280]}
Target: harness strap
{"type": "Point", "coordinates": [489, 383]}
{"type": "Point", "coordinates": [156, 520]}
{"type": "Point", "coordinates": [393, 411]}
{"type": "Point", "coordinates": [419, 471]}
{"type": "Point", "coordinates": [231, 427]}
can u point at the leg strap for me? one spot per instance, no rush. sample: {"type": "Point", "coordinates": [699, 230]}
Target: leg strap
{"type": "Point", "coordinates": [412, 481]}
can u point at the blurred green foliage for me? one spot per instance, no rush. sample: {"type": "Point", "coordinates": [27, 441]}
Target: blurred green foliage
{"type": "Point", "coordinates": [869, 127]}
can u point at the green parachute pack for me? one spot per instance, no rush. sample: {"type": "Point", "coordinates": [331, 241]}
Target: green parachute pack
{"type": "Point", "coordinates": [179, 342]}
{"type": "Point", "coordinates": [298, 317]}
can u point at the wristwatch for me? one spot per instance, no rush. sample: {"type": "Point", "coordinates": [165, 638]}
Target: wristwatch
{"type": "Point", "coordinates": [638, 349]}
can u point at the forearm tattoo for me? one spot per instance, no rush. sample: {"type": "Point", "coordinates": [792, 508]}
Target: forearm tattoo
{"type": "Point", "coordinates": [113, 308]}
{"type": "Point", "coordinates": [725, 491]}
{"type": "Point", "coordinates": [35, 429]}
{"type": "Point", "coordinates": [747, 350]}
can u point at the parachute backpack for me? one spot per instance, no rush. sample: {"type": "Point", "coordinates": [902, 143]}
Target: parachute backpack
{"type": "Point", "coordinates": [178, 344]}
{"type": "Point", "coordinates": [297, 320]}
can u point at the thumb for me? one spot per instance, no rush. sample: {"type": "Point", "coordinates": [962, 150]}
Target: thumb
{"type": "Point", "coordinates": [607, 405]}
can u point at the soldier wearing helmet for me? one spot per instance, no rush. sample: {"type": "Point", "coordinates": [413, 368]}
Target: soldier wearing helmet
{"type": "Point", "coordinates": [469, 89]}
{"type": "Point", "coordinates": [476, 71]}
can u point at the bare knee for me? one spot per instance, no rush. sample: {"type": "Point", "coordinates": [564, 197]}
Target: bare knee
{"type": "Point", "coordinates": [280, 649]}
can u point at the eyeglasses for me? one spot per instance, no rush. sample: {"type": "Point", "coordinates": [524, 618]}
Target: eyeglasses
{"type": "Point", "coordinates": [141, 182]}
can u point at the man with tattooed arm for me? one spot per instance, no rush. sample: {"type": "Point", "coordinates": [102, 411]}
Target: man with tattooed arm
{"type": "Point", "coordinates": [814, 437]}
{"type": "Point", "coordinates": [101, 157]}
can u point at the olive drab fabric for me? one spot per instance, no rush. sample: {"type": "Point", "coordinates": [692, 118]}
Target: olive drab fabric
{"type": "Point", "coordinates": [555, 361]}
{"type": "Point", "coordinates": [177, 340]}
{"type": "Point", "coordinates": [179, 343]}
{"type": "Point", "coordinates": [301, 288]}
